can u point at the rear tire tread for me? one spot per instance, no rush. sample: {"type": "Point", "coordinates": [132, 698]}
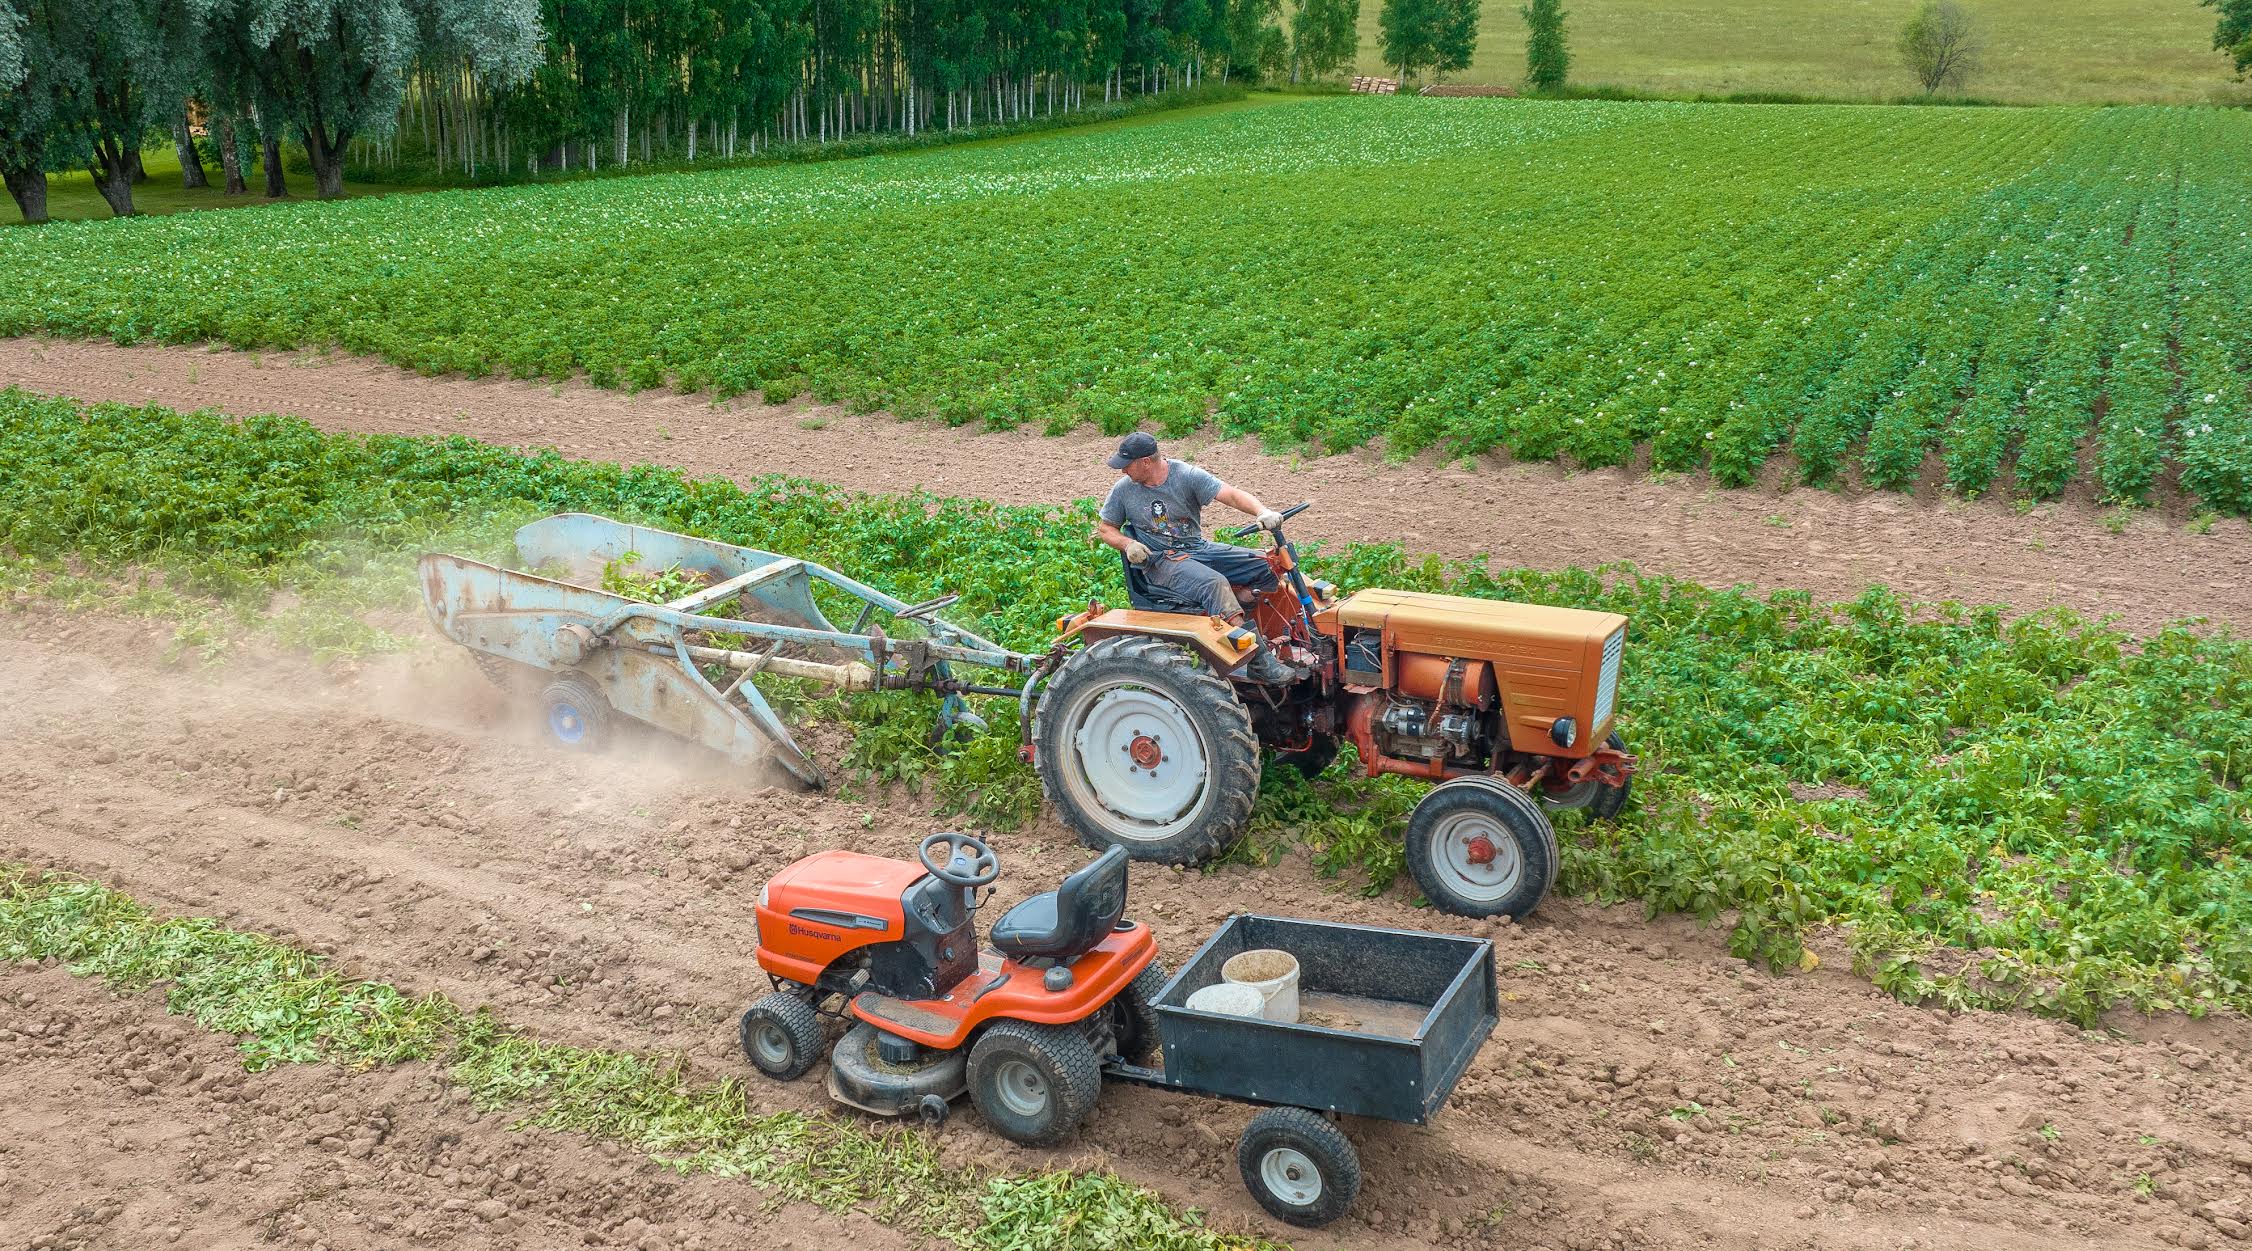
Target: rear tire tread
{"type": "Point", "coordinates": [1073, 1072]}
{"type": "Point", "coordinates": [1209, 698]}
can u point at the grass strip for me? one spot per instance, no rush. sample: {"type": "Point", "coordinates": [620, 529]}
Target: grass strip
{"type": "Point", "coordinates": [286, 1005]}
{"type": "Point", "coordinates": [2038, 811]}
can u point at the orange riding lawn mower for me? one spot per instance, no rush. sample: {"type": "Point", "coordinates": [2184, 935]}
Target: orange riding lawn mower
{"type": "Point", "coordinates": [1146, 732]}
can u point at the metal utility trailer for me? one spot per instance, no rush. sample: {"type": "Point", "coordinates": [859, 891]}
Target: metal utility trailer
{"type": "Point", "coordinates": [655, 663]}
{"type": "Point", "coordinates": [1389, 1022]}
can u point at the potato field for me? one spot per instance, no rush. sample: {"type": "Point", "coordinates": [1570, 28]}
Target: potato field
{"type": "Point", "coordinates": [351, 897]}
{"type": "Point", "coordinates": [1867, 289]}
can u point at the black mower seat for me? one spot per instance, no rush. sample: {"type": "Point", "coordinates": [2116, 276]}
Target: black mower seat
{"type": "Point", "coordinates": [1066, 923]}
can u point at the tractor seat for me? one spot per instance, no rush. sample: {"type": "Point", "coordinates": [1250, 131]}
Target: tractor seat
{"type": "Point", "coordinates": [1066, 923]}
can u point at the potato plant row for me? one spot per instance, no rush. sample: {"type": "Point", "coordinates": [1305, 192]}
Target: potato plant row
{"type": "Point", "coordinates": [1860, 287]}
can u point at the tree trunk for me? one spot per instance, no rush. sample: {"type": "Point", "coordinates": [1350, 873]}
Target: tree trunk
{"type": "Point", "coordinates": [113, 177]}
{"type": "Point", "coordinates": [191, 161]}
{"type": "Point", "coordinates": [276, 185]}
{"type": "Point", "coordinates": [133, 168]}
{"type": "Point", "coordinates": [328, 161]}
{"type": "Point", "coordinates": [230, 159]}
{"type": "Point", "coordinates": [29, 187]}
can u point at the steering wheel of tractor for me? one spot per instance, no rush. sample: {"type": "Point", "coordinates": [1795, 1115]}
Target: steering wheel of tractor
{"type": "Point", "coordinates": [984, 869]}
{"type": "Point", "coordinates": [1245, 532]}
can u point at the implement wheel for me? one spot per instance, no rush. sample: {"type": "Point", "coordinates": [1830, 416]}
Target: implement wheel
{"type": "Point", "coordinates": [1143, 748]}
{"type": "Point", "coordinates": [575, 714]}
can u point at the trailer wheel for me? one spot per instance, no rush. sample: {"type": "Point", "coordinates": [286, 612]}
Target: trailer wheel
{"type": "Point", "coordinates": [1134, 1014]}
{"type": "Point", "coordinates": [781, 1034]}
{"type": "Point", "coordinates": [1480, 847]}
{"type": "Point", "coordinates": [575, 714]}
{"type": "Point", "coordinates": [1604, 803]}
{"type": "Point", "coordinates": [1034, 1083]}
{"type": "Point", "coordinates": [1141, 747]}
{"type": "Point", "coordinates": [1299, 1166]}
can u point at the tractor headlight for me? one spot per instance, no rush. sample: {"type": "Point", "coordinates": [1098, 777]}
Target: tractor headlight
{"type": "Point", "coordinates": [762, 893]}
{"type": "Point", "coordinates": [1565, 732]}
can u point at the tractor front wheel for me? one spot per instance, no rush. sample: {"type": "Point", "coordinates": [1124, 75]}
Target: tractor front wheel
{"type": "Point", "coordinates": [1143, 748]}
{"type": "Point", "coordinates": [1480, 847]}
{"type": "Point", "coordinates": [1602, 801]}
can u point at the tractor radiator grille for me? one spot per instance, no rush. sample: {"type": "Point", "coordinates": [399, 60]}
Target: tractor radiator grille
{"type": "Point", "coordinates": [1607, 683]}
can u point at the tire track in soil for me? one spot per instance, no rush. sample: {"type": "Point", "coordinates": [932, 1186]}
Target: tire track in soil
{"type": "Point", "coordinates": [1643, 1089]}
{"type": "Point", "coordinates": [127, 1127]}
{"type": "Point", "coordinates": [1834, 544]}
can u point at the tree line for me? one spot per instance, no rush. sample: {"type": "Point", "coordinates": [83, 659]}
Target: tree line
{"type": "Point", "coordinates": [524, 86]}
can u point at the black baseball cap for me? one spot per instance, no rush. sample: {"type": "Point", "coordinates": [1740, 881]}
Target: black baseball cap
{"type": "Point", "coordinates": [1132, 448]}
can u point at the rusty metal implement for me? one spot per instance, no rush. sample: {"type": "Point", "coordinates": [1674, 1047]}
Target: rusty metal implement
{"type": "Point", "coordinates": [656, 663]}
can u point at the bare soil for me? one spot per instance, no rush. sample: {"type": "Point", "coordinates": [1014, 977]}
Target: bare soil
{"type": "Point", "coordinates": [1928, 545]}
{"type": "Point", "coordinates": [1643, 1090]}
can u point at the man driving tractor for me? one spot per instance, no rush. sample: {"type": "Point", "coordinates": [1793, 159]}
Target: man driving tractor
{"type": "Point", "coordinates": [1153, 516]}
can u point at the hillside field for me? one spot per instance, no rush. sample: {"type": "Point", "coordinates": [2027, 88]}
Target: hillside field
{"type": "Point", "coordinates": [2038, 51]}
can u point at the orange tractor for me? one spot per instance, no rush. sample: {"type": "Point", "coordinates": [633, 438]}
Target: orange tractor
{"type": "Point", "coordinates": [1146, 732]}
{"type": "Point", "coordinates": [1143, 740]}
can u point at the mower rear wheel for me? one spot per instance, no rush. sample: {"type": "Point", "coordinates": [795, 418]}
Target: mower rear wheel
{"type": "Point", "coordinates": [781, 1033]}
{"type": "Point", "coordinates": [1480, 847]}
{"type": "Point", "coordinates": [1299, 1166]}
{"type": "Point", "coordinates": [1143, 748]}
{"type": "Point", "coordinates": [1133, 1015]}
{"type": "Point", "coordinates": [1602, 802]}
{"type": "Point", "coordinates": [1034, 1083]}
{"type": "Point", "coordinates": [575, 713]}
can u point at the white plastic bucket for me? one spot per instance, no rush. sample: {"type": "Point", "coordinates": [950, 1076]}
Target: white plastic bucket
{"type": "Point", "coordinates": [1271, 972]}
{"type": "Point", "coordinates": [1228, 999]}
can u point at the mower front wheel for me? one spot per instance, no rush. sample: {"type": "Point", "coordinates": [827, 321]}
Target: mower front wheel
{"type": "Point", "coordinates": [1034, 1083]}
{"type": "Point", "coordinates": [1480, 847]}
{"type": "Point", "coordinates": [781, 1034]}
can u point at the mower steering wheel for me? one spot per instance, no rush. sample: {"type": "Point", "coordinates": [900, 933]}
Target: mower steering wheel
{"type": "Point", "coordinates": [984, 869]}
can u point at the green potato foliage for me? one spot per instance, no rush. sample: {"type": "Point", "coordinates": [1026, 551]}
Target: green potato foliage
{"type": "Point", "coordinates": [1862, 287]}
{"type": "Point", "coordinates": [2034, 810]}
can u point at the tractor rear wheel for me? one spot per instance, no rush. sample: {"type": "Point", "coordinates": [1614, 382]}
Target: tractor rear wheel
{"type": "Point", "coordinates": [1602, 802]}
{"type": "Point", "coordinates": [1143, 748]}
{"type": "Point", "coordinates": [1480, 847]}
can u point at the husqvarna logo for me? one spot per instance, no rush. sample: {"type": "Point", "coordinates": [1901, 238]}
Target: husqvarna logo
{"type": "Point", "coordinates": [806, 932]}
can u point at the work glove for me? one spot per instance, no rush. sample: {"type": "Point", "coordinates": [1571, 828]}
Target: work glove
{"type": "Point", "coordinates": [1270, 520]}
{"type": "Point", "coordinates": [1136, 553]}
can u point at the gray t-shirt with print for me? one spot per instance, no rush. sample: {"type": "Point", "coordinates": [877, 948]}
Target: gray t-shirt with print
{"type": "Point", "coordinates": [1168, 517]}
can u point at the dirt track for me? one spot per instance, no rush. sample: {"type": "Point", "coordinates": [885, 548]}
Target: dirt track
{"type": "Point", "coordinates": [1835, 544]}
{"type": "Point", "coordinates": [1644, 1090]}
